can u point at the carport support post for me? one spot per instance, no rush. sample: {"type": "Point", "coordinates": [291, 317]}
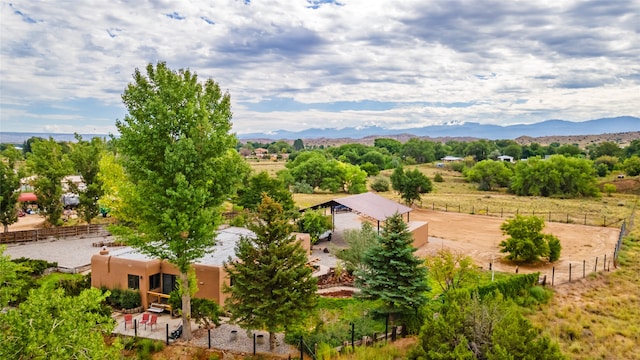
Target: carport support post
{"type": "Point", "coordinates": [135, 328]}
{"type": "Point", "coordinates": [167, 333]}
{"type": "Point", "coordinates": [254, 344]}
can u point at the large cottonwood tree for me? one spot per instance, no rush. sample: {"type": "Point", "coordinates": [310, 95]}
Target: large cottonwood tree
{"type": "Point", "coordinates": [179, 156]}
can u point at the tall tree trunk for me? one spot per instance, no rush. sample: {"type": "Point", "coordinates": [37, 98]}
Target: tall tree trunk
{"type": "Point", "coordinates": [272, 341]}
{"type": "Point", "coordinates": [186, 306]}
{"type": "Point", "coordinates": [6, 228]}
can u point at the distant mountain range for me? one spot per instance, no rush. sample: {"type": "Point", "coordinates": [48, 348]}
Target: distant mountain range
{"type": "Point", "coordinates": [620, 124]}
{"type": "Point", "coordinates": [483, 131]}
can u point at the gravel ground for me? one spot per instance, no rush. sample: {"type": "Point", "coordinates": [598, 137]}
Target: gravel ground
{"type": "Point", "coordinates": [243, 343]}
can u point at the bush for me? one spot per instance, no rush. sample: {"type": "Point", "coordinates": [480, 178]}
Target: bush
{"type": "Point", "coordinates": [240, 220]}
{"type": "Point", "coordinates": [380, 184]}
{"type": "Point", "coordinates": [123, 299]}
{"type": "Point", "coordinates": [130, 299]}
{"type": "Point", "coordinates": [36, 267]}
{"type": "Point", "coordinates": [438, 178]}
{"type": "Point", "coordinates": [302, 188]}
{"type": "Point", "coordinates": [554, 249]}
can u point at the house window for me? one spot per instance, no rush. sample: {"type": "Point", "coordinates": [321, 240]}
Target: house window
{"type": "Point", "coordinates": [133, 281]}
{"type": "Point", "coordinates": [169, 283]}
{"type": "Point", "coordinates": [154, 281]}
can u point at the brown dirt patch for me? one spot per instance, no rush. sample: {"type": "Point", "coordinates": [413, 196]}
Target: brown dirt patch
{"type": "Point", "coordinates": [479, 236]}
{"type": "Point", "coordinates": [28, 222]}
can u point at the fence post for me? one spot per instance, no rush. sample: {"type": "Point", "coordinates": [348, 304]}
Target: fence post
{"type": "Point", "coordinates": [569, 272]}
{"type": "Point", "coordinates": [596, 265]}
{"type": "Point", "coordinates": [473, 209]}
{"type": "Point", "coordinates": [301, 349]}
{"type": "Point", "coordinates": [487, 211]}
{"type": "Point", "coordinates": [433, 205]}
{"type": "Point", "coordinates": [353, 336]}
{"type": "Point", "coordinates": [501, 211]}
{"type": "Point", "coordinates": [604, 221]}
{"type": "Point", "coordinates": [446, 207]}
{"type": "Point", "coordinates": [604, 263]}
{"type": "Point", "coordinates": [584, 264]}
{"type": "Point", "coordinates": [254, 345]}
{"type": "Point", "coordinates": [585, 219]}
{"type": "Point", "coordinates": [394, 333]}
{"type": "Point", "coordinates": [553, 274]}
{"type": "Point", "coordinates": [517, 211]}
{"type": "Point", "coordinates": [567, 218]}
{"type": "Point", "coordinates": [549, 216]}
{"type": "Point", "coordinates": [533, 212]}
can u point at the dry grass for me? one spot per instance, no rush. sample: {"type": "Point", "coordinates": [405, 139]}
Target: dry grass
{"type": "Point", "coordinates": [599, 317]}
{"type": "Point", "coordinates": [271, 167]}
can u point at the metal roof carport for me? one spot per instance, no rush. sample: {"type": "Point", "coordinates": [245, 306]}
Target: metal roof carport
{"type": "Point", "coordinates": [366, 204]}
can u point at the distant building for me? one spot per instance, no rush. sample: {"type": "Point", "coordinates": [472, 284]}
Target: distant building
{"type": "Point", "coordinates": [451, 159]}
{"type": "Point", "coordinates": [506, 158]}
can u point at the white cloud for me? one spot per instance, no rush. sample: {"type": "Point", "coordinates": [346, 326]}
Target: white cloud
{"type": "Point", "coordinates": [516, 61]}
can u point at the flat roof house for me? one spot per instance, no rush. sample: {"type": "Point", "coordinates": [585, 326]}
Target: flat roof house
{"type": "Point", "coordinates": [127, 268]}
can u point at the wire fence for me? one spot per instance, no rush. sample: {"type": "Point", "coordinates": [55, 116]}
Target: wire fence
{"type": "Point", "coordinates": [595, 219]}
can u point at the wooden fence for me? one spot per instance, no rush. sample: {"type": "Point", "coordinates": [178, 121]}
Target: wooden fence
{"type": "Point", "coordinates": [14, 237]}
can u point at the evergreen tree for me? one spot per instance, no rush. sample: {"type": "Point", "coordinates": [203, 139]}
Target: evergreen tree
{"type": "Point", "coordinates": [272, 288]}
{"type": "Point", "coordinates": [392, 272]}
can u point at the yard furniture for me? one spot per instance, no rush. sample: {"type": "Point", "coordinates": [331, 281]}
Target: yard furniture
{"type": "Point", "coordinates": [128, 319]}
{"type": "Point", "coordinates": [153, 321]}
{"type": "Point", "coordinates": [145, 319]}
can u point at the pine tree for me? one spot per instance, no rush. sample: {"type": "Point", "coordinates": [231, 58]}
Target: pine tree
{"type": "Point", "coordinates": [392, 272]}
{"type": "Point", "coordinates": [272, 288]}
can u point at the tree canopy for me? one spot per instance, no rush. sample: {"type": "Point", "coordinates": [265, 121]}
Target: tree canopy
{"type": "Point", "coordinates": [50, 163]}
{"type": "Point", "coordinates": [250, 195]}
{"type": "Point", "coordinates": [85, 156]}
{"type": "Point", "coordinates": [556, 176]}
{"type": "Point", "coordinates": [526, 241]}
{"type": "Point", "coordinates": [272, 286]}
{"type": "Point", "coordinates": [53, 325]}
{"type": "Point", "coordinates": [9, 186]}
{"type": "Point", "coordinates": [489, 174]}
{"type": "Point", "coordinates": [180, 158]}
{"type": "Point", "coordinates": [410, 184]}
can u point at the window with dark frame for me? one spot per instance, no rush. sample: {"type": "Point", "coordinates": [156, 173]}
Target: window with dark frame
{"type": "Point", "coordinates": [133, 282]}
{"type": "Point", "coordinates": [154, 281]}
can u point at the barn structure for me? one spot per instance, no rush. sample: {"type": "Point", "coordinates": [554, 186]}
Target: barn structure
{"type": "Point", "coordinates": [378, 209]}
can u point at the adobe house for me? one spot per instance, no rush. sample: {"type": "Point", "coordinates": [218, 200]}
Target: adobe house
{"type": "Point", "coordinates": [129, 269]}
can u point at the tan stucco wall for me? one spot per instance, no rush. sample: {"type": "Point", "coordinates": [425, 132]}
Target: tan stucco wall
{"type": "Point", "coordinates": [420, 232]}
{"type": "Point", "coordinates": [112, 272]}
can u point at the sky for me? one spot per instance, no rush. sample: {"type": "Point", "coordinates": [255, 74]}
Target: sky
{"type": "Point", "coordinates": [299, 64]}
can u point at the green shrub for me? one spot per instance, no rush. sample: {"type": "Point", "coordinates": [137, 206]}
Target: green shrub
{"type": "Point", "coordinates": [130, 299]}
{"type": "Point", "coordinates": [36, 267]}
{"type": "Point", "coordinates": [380, 184]}
{"type": "Point", "coordinates": [302, 188]}
{"type": "Point", "coordinates": [438, 178]}
{"type": "Point", "coordinates": [554, 249]}
{"type": "Point", "coordinates": [240, 220]}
